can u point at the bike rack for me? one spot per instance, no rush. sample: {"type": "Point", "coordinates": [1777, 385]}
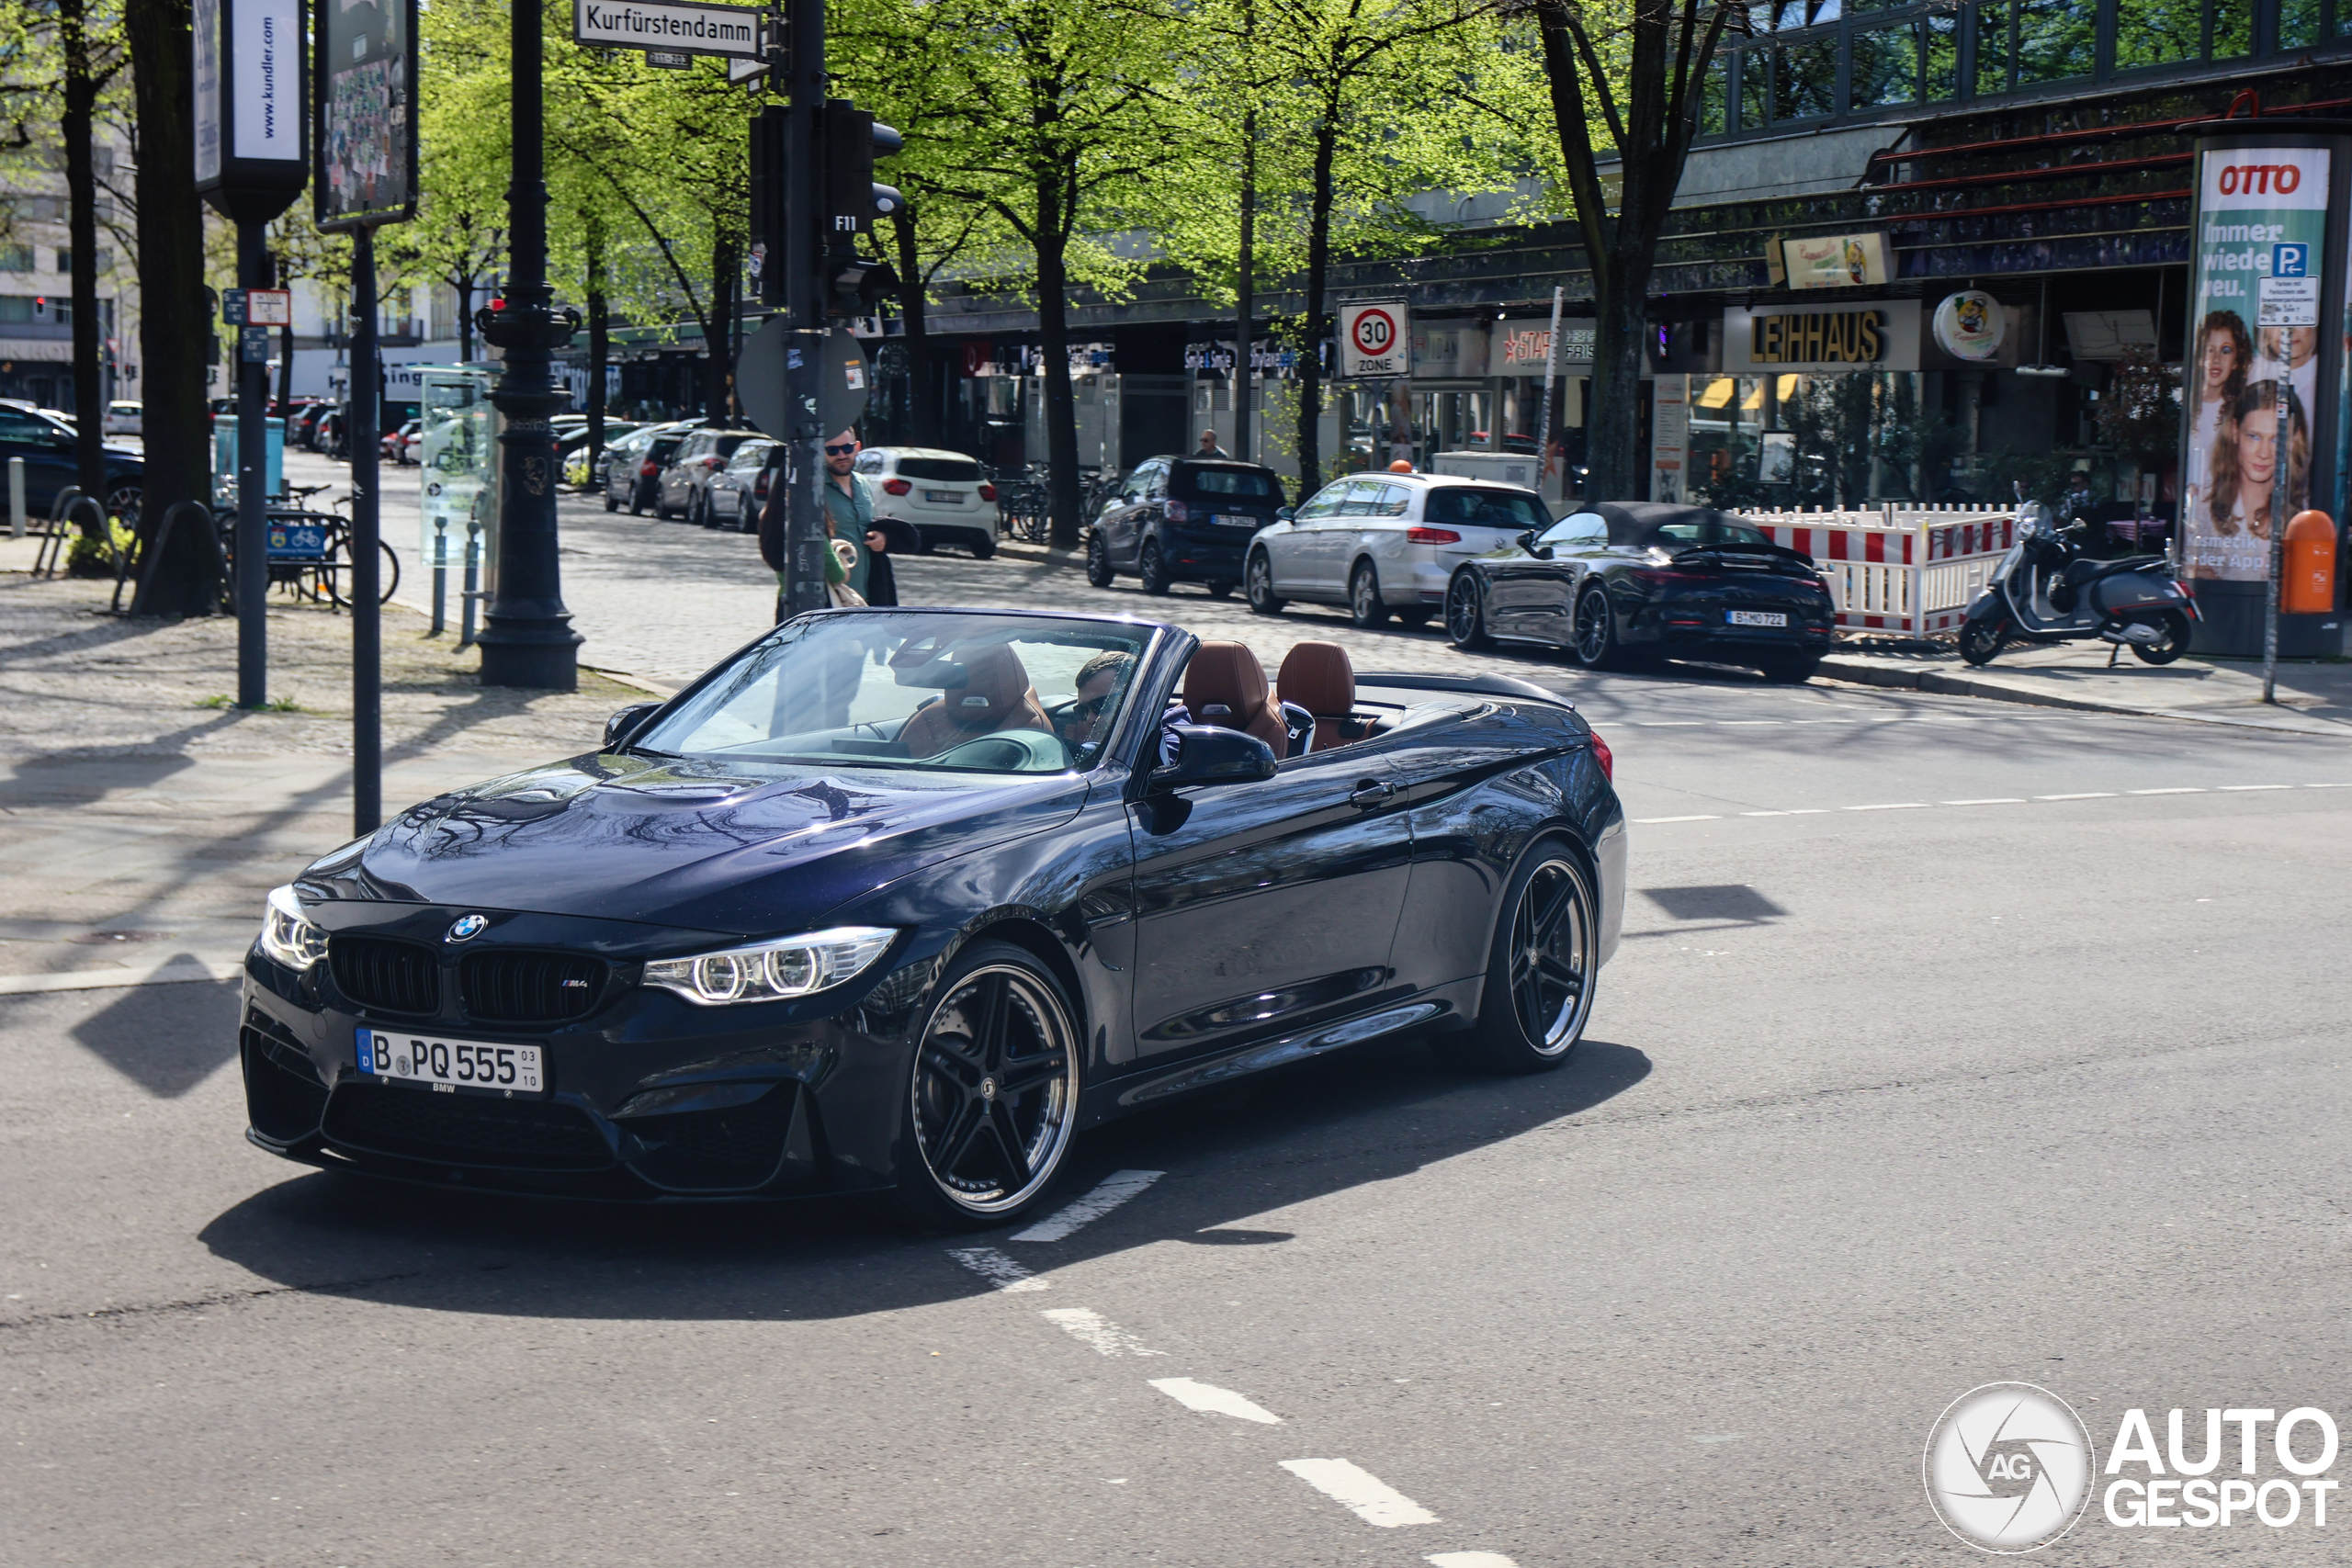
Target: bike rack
{"type": "Point", "coordinates": [150, 553]}
{"type": "Point", "coordinates": [49, 560]}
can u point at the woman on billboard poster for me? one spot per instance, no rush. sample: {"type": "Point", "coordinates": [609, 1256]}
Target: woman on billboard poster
{"type": "Point", "coordinates": [2245, 462]}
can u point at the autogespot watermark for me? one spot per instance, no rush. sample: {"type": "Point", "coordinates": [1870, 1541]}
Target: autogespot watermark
{"type": "Point", "coordinates": [2010, 1468]}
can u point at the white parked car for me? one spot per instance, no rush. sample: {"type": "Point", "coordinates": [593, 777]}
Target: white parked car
{"type": "Point", "coordinates": [1384, 544]}
{"type": "Point", "coordinates": [121, 419]}
{"type": "Point", "coordinates": [938, 493]}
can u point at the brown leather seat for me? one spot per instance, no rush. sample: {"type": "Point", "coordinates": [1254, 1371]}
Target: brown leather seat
{"type": "Point", "coordinates": [1319, 677]}
{"type": "Point", "coordinates": [1226, 685]}
{"type": "Point", "coordinates": [997, 696]}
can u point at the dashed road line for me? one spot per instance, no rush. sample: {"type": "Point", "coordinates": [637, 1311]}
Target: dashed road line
{"type": "Point", "coordinates": [2081, 794]}
{"type": "Point", "coordinates": [1643, 819]}
{"type": "Point", "coordinates": [2184, 789]}
{"type": "Point", "coordinates": [1370, 1498]}
{"type": "Point", "coordinates": [1211, 1399]}
{"type": "Point", "coordinates": [997, 1268]}
{"type": "Point", "coordinates": [1890, 805]}
{"type": "Point", "coordinates": [1091, 1328]}
{"type": "Point", "coordinates": [2235, 787]}
{"type": "Point", "coordinates": [1991, 800]}
{"type": "Point", "coordinates": [1115, 1190]}
{"type": "Point", "coordinates": [1469, 1560]}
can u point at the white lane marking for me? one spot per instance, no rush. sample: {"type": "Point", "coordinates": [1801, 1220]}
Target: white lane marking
{"type": "Point", "coordinates": [1991, 800]}
{"type": "Point", "coordinates": [1212, 1400]}
{"type": "Point", "coordinates": [2190, 789]}
{"type": "Point", "coordinates": [1640, 819]}
{"type": "Point", "coordinates": [1891, 806]}
{"type": "Point", "coordinates": [1469, 1560]}
{"type": "Point", "coordinates": [2329, 787]}
{"type": "Point", "coordinates": [1091, 1327]}
{"type": "Point", "coordinates": [996, 1268]}
{"type": "Point", "coordinates": [2256, 787]}
{"type": "Point", "coordinates": [2081, 794]}
{"type": "Point", "coordinates": [1115, 1190]}
{"type": "Point", "coordinates": [1371, 1499]}
{"type": "Point", "coordinates": [1809, 811]}
{"type": "Point", "coordinates": [1763, 814]}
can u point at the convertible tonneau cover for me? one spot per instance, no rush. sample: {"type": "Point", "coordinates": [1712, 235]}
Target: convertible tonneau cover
{"type": "Point", "coordinates": [1484, 685]}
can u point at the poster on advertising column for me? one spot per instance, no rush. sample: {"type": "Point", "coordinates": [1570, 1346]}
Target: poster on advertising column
{"type": "Point", "coordinates": [2261, 221]}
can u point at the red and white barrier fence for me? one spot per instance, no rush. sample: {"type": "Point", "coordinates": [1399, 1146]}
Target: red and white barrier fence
{"type": "Point", "coordinates": [1900, 567]}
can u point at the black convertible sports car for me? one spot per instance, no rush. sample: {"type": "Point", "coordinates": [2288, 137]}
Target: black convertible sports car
{"type": "Point", "coordinates": [898, 900]}
{"type": "Point", "coordinates": [1613, 582]}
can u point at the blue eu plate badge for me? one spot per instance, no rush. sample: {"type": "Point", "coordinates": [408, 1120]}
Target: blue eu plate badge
{"type": "Point", "coordinates": [366, 1051]}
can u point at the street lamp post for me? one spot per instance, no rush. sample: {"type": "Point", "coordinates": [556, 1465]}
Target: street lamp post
{"type": "Point", "coordinates": [526, 638]}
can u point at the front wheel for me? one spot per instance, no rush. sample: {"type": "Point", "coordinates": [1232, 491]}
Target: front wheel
{"type": "Point", "coordinates": [984, 548]}
{"type": "Point", "coordinates": [993, 1101]}
{"type": "Point", "coordinates": [1596, 644]}
{"type": "Point", "coordinates": [1545, 957]}
{"type": "Point", "coordinates": [1980, 641]}
{"type": "Point", "coordinates": [1465, 615]}
{"type": "Point", "coordinates": [610, 504]}
{"type": "Point", "coordinates": [2175, 627]}
{"type": "Point", "coordinates": [1098, 562]}
{"type": "Point", "coordinates": [1153, 569]}
{"type": "Point", "coordinates": [1258, 581]}
{"type": "Point", "coordinates": [1364, 605]}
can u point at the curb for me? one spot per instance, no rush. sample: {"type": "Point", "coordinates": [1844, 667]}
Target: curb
{"type": "Point", "coordinates": [1867, 673]}
{"type": "Point", "coordinates": [1044, 555]}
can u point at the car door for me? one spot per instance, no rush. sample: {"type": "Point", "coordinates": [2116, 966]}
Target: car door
{"type": "Point", "coordinates": [1123, 525]}
{"type": "Point", "coordinates": [676, 481]}
{"type": "Point", "coordinates": [1330, 543]}
{"type": "Point", "coordinates": [48, 455]}
{"type": "Point", "coordinates": [1267, 906]}
{"type": "Point", "coordinates": [1530, 596]}
{"type": "Point", "coordinates": [1287, 549]}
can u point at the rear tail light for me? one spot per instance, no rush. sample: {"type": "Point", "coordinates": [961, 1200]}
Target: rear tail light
{"type": "Point", "coordinates": [652, 471]}
{"type": "Point", "coordinates": [1661, 576]}
{"type": "Point", "coordinates": [714, 462]}
{"type": "Point", "coordinates": [1606, 757]}
{"type": "Point", "coordinates": [1432, 537]}
{"type": "Point", "coordinates": [988, 493]}
{"type": "Point", "coordinates": [760, 486]}
{"type": "Point", "coordinates": [1179, 513]}
{"type": "Point", "coordinates": [897, 487]}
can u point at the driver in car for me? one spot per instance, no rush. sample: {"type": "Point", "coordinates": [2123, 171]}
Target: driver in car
{"type": "Point", "coordinates": [1087, 718]}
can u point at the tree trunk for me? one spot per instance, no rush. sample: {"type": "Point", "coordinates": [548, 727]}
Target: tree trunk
{"type": "Point", "coordinates": [1054, 200]}
{"type": "Point", "coordinates": [600, 338]}
{"type": "Point", "coordinates": [718, 334]}
{"type": "Point", "coordinates": [81, 226]}
{"type": "Point", "coordinates": [1246, 305]}
{"type": "Point", "coordinates": [175, 342]}
{"type": "Point", "coordinates": [1612, 422]}
{"type": "Point", "coordinates": [1310, 352]}
{"type": "Point", "coordinates": [922, 396]}
{"type": "Point", "coordinates": [465, 287]}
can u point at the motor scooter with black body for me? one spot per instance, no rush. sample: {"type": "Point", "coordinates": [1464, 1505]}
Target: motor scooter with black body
{"type": "Point", "coordinates": [2047, 590]}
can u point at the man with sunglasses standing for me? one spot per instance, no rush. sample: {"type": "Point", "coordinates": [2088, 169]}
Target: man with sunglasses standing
{"type": "Point", "coordinates": [849, 515]}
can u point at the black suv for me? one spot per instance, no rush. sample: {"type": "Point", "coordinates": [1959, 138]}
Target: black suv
{"type": "Point", "coordinates": [47, 447]}
{"type": "Point", "coordinates": [1183, 520]}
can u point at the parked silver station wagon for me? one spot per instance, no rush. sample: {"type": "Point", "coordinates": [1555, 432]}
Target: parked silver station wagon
{"type": "Point", "coordinates": [1384, 544]}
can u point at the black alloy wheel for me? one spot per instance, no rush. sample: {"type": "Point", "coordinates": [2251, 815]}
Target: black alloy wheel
{"type": "Point", "coordinates": [992, 1102]}
{"type": "Point", "coordinates": [123, 500]}
{"type": "Point", "coordinates": [2175, 627]}
{"type": "Point", "coordinates": [1098, 562]}
{"type": "Point", "coordinates": [1546, 955]}
{"type": "Point", "coordinates": [1465, 614]}
{"type": "Point", "coordinates": [1364, 605]}
{"type": "Point", "coordinates": [1980, 641]}
{"type": "Point", "coordinates": [1596, 645]}
{"type": "Point", "coordinates": [1153, 569]}
{"type": "Point", "coordinates": [984, 549]}
{"type": "Point", "coordinates": [1258, 584]}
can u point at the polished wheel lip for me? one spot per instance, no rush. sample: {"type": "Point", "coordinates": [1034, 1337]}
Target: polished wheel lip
{"type": "Point", "coordinates": [994, 1087]}
{"type": "Point", "coordinates": [1591, 631]}
{"type": "Point", "coordinates": [1552, 988]}
{"type": "Point", "coordinates": [1258, 579]}
{"type": "Point", "coordinates": [1461, 609]}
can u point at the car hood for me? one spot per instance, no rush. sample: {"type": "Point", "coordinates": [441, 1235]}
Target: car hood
{"type": "Point", "coordinates": [744, 848]}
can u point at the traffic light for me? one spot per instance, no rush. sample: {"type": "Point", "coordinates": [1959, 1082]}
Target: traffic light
{"type": "Point", "coordinates": [852, 140]}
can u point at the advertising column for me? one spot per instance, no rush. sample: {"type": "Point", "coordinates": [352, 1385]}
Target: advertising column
{"type": "Point", "coordinates": [1670, 436]}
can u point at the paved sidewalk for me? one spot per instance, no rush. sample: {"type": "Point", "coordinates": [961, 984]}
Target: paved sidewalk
{"type": "Point", "coordinates": [142, 820]}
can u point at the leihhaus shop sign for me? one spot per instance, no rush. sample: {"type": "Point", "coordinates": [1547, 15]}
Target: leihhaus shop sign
{"type": "Point", "coordinates": [1879, 334]}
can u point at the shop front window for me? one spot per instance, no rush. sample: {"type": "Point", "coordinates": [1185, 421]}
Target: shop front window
{"type": "Point", "coordinates": [2158, 32]}
{"type": "Point", "coordinates": [1887, 67]}
{"type": "Point", "coordinates": [1804, 80]}
{"type": "Point", "coordinates": [1841, 439]}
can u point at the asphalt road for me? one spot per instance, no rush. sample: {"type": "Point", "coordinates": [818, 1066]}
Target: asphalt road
{"type": "Point", "coordinates": [1935, 1055]}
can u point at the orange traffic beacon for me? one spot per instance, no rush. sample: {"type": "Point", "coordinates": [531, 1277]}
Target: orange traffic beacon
{"type": "Point", "coordinates": [2307, 585]}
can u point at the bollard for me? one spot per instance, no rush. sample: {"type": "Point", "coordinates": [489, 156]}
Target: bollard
{"type": "Point", "coordinates": [15, 498]}
{"type": "Point", "coordinates": [2308, 581]}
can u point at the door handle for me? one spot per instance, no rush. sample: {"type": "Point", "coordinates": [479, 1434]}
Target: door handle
{"type": "Point", "coordinates": [1370, 792]}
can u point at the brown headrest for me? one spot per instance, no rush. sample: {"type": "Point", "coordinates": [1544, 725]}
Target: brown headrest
{"type": "Point", "coordinates": [998, 684]}
{"type": "Point", "coordinates": [1318, 678]}
{"type": "Point", "coordinates": [1226, 675]}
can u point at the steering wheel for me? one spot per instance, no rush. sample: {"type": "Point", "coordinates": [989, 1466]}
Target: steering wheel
{"type": "Point", "coordinates": [1007, 751]}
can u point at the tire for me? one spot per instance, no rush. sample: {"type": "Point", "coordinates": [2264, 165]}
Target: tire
{"type": "Point", "coordinates": [636, 501]}
{"type": "Point", "coordinates": [1258, 582]}
{"type": "Point", "coordinates": [1365, 606]}
{"type": "Point", "coordinates": [699, 510]}
{"type": "Point", "coordinates": [1098, 562]}
{"type": "Point", "coordinates": [975, 1151]}
{"type": "Point", "coordinates": [983, 548]}
{"type": "Point", "coordinates": [1980, 641]}
{"type": "Point", "coordinates": [1465, 615]}
{"type": "Point", "coordinates": [1792, 669]}
{"type": "Point", "coordinates": [1543, 963]}
{"type": "Point", "coordinates": [1594, 632]}
{"type": "Point", "coordinates": [1153, 569]}
{"type": "Point", "coordinates": [123, 502]}
{"type": "Point", "coordinates": [1219, 589]}
{"type": "Point", "coordinates": [2176, 641]}
{"type": "Point", "coordinates": [610, 504]}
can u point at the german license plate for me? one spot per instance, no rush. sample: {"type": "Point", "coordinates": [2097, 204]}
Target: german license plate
{"type": "Point", "coordinates": [1757, 618]}
{"type": "Point", "coordinates": [451, 1066]}
{"type": "Point", "coordinates": [1232, 522]}
{"type": "Point", "coordinates": [945, 497]}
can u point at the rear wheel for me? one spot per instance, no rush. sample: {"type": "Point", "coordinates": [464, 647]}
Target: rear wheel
{"type": "Point", "coordinates": [1153, 569]}
{"type": "Point", "coordinates": [1258, 580]}
{"type": "Point", "coordinates": [1465, 615]}
{"type": "Point", "coordinates": [1596, 644]}
{"type": "Point", "coordinates": [993, 1101]}
{"type": "Point", "coordinates": [1365, 606]}
{"type": "Point", "coordinates": [1980, 641]}
{"type": "Point", "coordinates": [2175, 627]}
{"type": "Point", "coordinates": [983, 547]}
{"type": "Point", "coordinates": [610, 504]}
{"type": "Point", "coordinates": [1541, 970]}
{"type": "Point", "coordinates": [1098, 562]}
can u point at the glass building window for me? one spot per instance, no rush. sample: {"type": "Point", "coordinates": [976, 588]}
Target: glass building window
{"type": "Point", "coordinates": [1992, 49]}
{"type": "Point", "coordinates": [2057, 39]}
{"type": "Point", "coordinates": [2233, 28]}
{"type": "Point", "coordinates": [1942, 62]}
{"type": "Point", "coordinates": [1755, 88]}
{"type": "Point", "coordinates": [1887, 67]}
{"type": "Point", "coordinates": [2298, 23]}
{"type": "Point", "coordinates": [1804, 80]}
{"type": "Point", "coordinates": [16, 258]}
{"type": "Point", "coordinates": [1712, 94]}
{"type": "Point", "coordinates": [2158, 32]}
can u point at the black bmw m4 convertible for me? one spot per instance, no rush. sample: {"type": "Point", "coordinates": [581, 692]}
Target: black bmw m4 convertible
{"type": "Point", "coordinates": [899, 901]}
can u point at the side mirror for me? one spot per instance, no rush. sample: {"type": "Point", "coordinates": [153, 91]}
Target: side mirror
{"type": "Point", "coordinates": [1286, 513]}
{"type": "Point", "coordinates": [1208, 755]}
{"type": "Point", "coordinates": [617, 728]}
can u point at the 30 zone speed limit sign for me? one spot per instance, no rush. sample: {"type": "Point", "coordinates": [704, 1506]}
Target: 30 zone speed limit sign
{"type": "Point", "coordinates": [1375, 339]}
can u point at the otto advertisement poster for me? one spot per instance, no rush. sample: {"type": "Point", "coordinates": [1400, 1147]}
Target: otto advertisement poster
{"type": "Point", "coordinates": [2254, 327]}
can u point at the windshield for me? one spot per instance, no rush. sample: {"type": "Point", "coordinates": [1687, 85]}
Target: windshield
{"type": "Point", "coordinates": [978, 692]}
{"type": "Point", "coordinates": [1710, 532]}
{"type": "Point", "coordinates": [1484, 508]}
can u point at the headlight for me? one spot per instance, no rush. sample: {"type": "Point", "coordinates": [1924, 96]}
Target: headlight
{"type": "Point", "coordinates": [772, 970]}
{"type": "Point", "coordinates": [286, 934]}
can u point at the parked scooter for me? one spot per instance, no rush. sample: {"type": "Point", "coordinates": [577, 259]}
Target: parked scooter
{"type": "Point", "coordinates": [2047, 591]}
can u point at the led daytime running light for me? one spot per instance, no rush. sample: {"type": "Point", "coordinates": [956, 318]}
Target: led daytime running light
{"type": "Point", "coordinates": [773, 971]}
{"type": "Point", "coordinates": [286, 934]}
